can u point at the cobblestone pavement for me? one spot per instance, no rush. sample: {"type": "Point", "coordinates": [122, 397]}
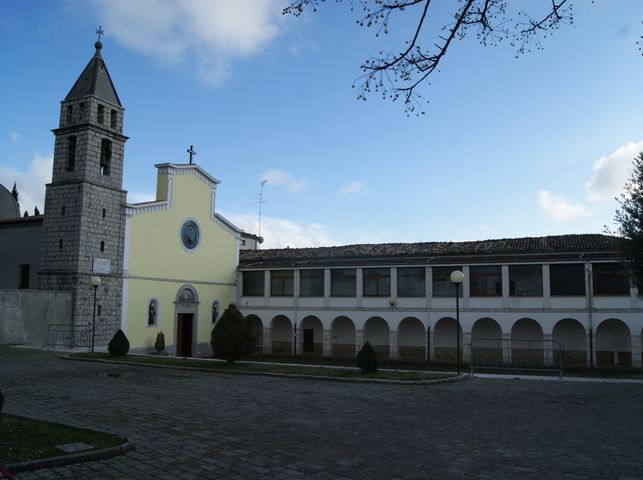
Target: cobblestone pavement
{"type": "Point", "coordinates": [193, 425]}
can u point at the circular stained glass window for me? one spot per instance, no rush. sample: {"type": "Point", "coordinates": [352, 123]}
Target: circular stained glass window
{"type": "Point", "coordinates": [190, 234]}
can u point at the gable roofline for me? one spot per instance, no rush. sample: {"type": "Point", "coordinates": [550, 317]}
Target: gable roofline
{"type": "Point", "coordinates": [185, 169]}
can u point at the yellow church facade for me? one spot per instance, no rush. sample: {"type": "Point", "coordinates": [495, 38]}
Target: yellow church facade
{"type": "Point", "coordinates": [180, 262]}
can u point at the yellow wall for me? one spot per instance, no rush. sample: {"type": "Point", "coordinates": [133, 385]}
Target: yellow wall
{"type": "Point", "coordinates": [159, 266]}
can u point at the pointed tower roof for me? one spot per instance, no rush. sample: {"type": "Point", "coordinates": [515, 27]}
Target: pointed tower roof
{"type": "Point", "coordinates": [95, 81]}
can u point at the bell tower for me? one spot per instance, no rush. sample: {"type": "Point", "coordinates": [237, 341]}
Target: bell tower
{"type": "Point", "coordinates": [84, 223]}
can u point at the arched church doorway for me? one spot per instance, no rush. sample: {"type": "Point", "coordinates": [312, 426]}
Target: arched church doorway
{"type": "Point", "coordinates": [185, 329]}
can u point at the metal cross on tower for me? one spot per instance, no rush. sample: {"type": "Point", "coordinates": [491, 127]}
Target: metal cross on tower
{"type": "Point", "coordinates": [192, 152]}
{"type": "Point", "coordinates": [99, 32]}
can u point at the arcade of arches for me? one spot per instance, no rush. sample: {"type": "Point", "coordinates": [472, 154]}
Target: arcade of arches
{"type": "Point", "coordinates": [412, 340]}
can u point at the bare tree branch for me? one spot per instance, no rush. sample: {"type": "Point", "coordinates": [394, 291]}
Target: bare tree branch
{"type": "Point", "coordinates": [397, 75]}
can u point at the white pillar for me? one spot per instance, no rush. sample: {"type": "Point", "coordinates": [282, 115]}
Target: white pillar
{"type": "Point", "coordinates": [327, 348]}
{"type": "Point", "coordinates": [359, 340]}
{"type": "Point", "coordinates": [466, 347]}
{"type": "Point", "coordinates": [548, 351]}
{"type": "Point", "coordinates": [267, 342]}
{"type": "Point", "coordinates": [591, 341]}
{"type": "Point", "coordinates": [393, 351]}
{"type": "Point", "coordinates": [506, 348]}
{"type": "Point", "coordinates": [636, 351]}
{"type": "Point", "coordinates": [296, 339]}
{"type": "Point", "coordinates": [432, 345]}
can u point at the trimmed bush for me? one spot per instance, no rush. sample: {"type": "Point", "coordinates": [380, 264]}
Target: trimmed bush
{"type": "Point", "coordinates": [119, 344]}
{"type": "Point", "coordinates": [367, 359]}
{"type": "Point", "coordinates": [159, 345]}
{"type": "Point", "coordinates": [233, 336]}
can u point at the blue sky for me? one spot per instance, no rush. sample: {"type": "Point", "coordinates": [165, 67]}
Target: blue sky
{"type": "Point", "coordinates": [509, 147]}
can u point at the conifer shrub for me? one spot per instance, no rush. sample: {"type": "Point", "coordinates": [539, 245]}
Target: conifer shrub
{"type": "Point", "coordinates": [119, 344]}
{"type": "Point", "coordinates": [233, 336]}
{"type": "Point", "coordinates": [159, 345]}
{"type": "Point", "coordinates": [367, 359]}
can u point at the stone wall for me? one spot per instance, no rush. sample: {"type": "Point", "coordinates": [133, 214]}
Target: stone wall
{"type": "Point", "coordinates": [344, 351]}
{"type": "Point", "coordinates": [281, 348]}
{"type": "Point", "coordinates": [26, 314]}
{"type": "Point", "coordinates": [411, 354]}
{"type": "Point", "coordinates": [487, 356]}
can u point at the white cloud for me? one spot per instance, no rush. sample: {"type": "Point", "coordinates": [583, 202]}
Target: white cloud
{"type": "Point", "coordinates": [352, 187]}
{"type": "Point", "coordinates": [30, 184]}
{"type": "Point", "coordinates": [14, 136]}
{"type": "Point", "coordinates": [560, 208]}
{"type": "Point", "coordinates": [280, 233]}
{"type": "Point", "coordinates": [210, 34]}
{"type": "Point", "coordinates": [140, 197]}
{"type": "Point", "coordinates": [284, 179]}
{"type": "Point", "coordinates": [610, 172]}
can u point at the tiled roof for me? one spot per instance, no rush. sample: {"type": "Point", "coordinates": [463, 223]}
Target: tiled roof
{"type": "Point", "coordinates": [95, 81]}
{"type": "Point", "coordinates": [558, 246]}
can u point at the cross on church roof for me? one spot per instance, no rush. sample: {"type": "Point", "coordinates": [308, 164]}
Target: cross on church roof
{"type": "Point", "coordinates": [192, 152]}
{"type": "Point", "coordinates": [100, 32]}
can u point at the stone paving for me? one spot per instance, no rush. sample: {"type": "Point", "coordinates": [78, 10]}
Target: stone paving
{"type": "Point", "coordinates": [194, 425]}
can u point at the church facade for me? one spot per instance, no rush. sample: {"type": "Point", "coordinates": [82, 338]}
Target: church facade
{"type": "Point", "coordinates": [180, 263]}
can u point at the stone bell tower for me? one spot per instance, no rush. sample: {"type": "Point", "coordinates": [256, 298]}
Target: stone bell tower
{"type": "Point", "coordinates": [84, 223]}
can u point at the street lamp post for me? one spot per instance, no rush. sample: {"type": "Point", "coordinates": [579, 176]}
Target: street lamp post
{"type": "Point", "coordinates": [457, 277]}
{"type": "Point", "coordinates": [95, 281]}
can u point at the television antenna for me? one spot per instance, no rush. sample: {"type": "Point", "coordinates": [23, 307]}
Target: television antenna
{"type": "Point", "coordinates": [261, 201]}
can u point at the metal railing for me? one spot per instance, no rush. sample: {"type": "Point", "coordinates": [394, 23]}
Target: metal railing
{"type": "Point", "coordinates": [517, 354]}
{"type": "Point", "coordinates": [60, 335]}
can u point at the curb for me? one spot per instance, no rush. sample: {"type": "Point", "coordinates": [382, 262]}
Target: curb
{"type": "Point", "coordinates": [282, 375]}
{"type": "Point", "coordinates": [82, 457]}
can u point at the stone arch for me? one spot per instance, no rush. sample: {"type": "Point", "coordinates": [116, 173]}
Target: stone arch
{"type": "Point", "coordinates": [377, 333]}
{"type": "Point", "coordinates": [343, 337]}
{"type": "Point", "coordinates": [570, 336]}
{"type": "Point", "coordinates": [527, 346]}
{"type": "Point", "coordinates": [444, 340]}
{"type": "Point", "coordinates": [613, 343]}
{"type": "Point", "coordinates": [411, 340]}
{"type": "Point", "coordinates": [257, 327]}
{"type": "Point", "coordinates": [311, 342]}
{"type": "Point", "coordinates": [281, 335]}
{"type": "Point", "coordinates": [486, 342]}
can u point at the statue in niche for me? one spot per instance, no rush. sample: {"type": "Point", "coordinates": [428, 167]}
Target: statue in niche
{"type": "Point", "coordinates": [151, 313]}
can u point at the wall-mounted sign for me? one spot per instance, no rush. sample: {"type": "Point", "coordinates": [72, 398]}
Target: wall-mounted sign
{"type": "Point", "coordinates": [101, 265]}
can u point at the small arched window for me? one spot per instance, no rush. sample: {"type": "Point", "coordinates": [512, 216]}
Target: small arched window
{"type": "Point", "coordinates": [215, 311]}
{"type": "Point", "coordinates": [101, 114]}
{"type": "Point", "coordinates": [70, 114]}
{"type": "Point", "coordinates": [152, 313]}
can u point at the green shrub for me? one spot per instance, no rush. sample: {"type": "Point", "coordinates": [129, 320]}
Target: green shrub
{"type": "Point", "coordinates": [159, 345]}
{"type": "Point", "coordinates": [367, 359]}
{"type": "Point", "coordinates": [119, 344]}
{"type": "Point", "coordinates": [233, 336]}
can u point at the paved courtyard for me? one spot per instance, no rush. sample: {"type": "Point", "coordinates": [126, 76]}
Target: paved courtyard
{"type": "Point", "coordinates": [193, 425]}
